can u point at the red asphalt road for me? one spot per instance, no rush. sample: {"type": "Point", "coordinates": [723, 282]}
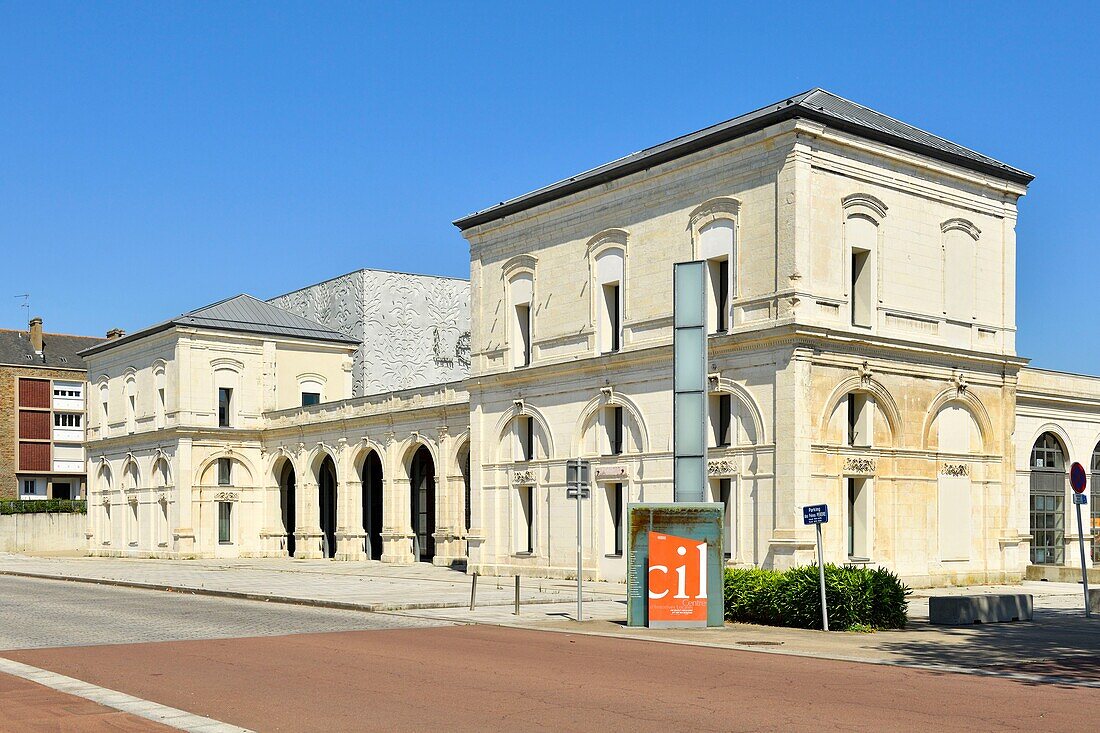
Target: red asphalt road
{"type": "Point", "coordinates": [29, 708]}
{"type": "Point", "coordinates": [488, 678]}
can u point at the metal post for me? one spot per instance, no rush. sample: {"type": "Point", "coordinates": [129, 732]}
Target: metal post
{"type": "Point", "coordinates": [580, 608]}
{"type": "Point", "coordinates": [473, 591]}
{"type": "Point", "coordinates": [1084, 571]}
{"type": "Point", "coordinates": [517, 595]}
{"type": "Point", "coordinates": [821, 578]}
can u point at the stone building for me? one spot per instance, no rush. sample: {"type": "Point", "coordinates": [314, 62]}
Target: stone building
{"type": "Point", "coordinates": [414, 330]}
{"type": "Point", "coordinates": [42, 403]}
{"type": "Point", "coordinates": [862, 308]}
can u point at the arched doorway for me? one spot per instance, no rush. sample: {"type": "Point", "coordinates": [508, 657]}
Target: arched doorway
{"type": "Point", "coordinates": [1048, 501]}
{"type": "Point", "coordinates": [467, 498]}
{"type": "Point", "coordinates": [326, 504]}
{"type": "Point", "coordinates": [372, 504]}
{"type": "Point", "coordinates": [287, 501]}
{"type": "Point", "coordinates": [422, 483]}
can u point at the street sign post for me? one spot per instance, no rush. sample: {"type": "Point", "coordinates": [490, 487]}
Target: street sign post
{"type": "Point", "coordinates": [817, 515]}
{"type": "Point", "coordinates": [1078, 479]}
{"type": "Point", "coordinates": [576, 483]}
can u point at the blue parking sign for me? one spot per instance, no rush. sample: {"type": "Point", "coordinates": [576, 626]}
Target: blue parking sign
{"type": "Point", "coordinates": [815, 514]}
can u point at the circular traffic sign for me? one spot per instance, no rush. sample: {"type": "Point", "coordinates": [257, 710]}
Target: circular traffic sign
{"type": "Point", "coordinates": [1077, 478]}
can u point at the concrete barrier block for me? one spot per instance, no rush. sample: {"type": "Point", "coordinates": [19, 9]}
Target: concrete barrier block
{"type": "Point", "coordinates": [1094, 602]}
{"type": "Point", "coordinates": [984, 609]}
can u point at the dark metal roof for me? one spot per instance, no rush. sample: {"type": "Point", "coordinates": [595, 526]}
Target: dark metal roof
{"type": "Point", "coordinates": [244, 314]}
{"type": "Point", "coordinates": [816, 104]}
{"type": "Point", "coordinates": [59, 350]}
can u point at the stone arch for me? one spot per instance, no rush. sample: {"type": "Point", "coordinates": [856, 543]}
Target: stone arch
{"type": "Point", "coordinates": [971, 403]}
{"type": "Point", "coordinates": [756, 415]}
{"type": "Point", "coordinates": [420, 460]}
{"type": "Point", "coordinates": [609, 398]}
{"type": "Point", "coordinates": [864, 204]}
{"type": "Point", "coordinates": [964, 225]}
{"type": "Point", "coordinates": [607, 238]}
{"type": "Point", "coordinates": [160, 460]}
{"type": "Point", "coordinates": [368, 463]}
{"type": "Point", "coordinates": [522, 408]}
{"type": "Point", "coordinates": [131, 472]}
{"type": "Point", "coordinates": [867, 385]}
{"type": "Point", "coordinates": [317, 456]}
{"type": "Point", "coordinates": [233, 455]}
{"type": "Point", "coordinates": [1058, 432]}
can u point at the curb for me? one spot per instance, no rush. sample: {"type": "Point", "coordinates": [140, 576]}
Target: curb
{"type": "Point", "coordinates": [270, 598]}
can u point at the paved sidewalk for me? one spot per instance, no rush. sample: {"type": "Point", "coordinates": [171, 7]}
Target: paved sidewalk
{"type": "Point", "coordinates": [364, 586]}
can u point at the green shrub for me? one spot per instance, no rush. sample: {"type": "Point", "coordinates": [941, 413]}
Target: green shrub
{"type": "Point", "coordinates": [40, 506]}
{"type": "Point", "coordinates": [858, 597]}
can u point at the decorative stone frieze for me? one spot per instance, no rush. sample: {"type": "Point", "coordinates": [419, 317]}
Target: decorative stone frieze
{"type": "Point", "coordinates": [611, 473]}
{"type": "Point", "coordinates": [721, 467]}
{"type": "Point", "coordinates": [226, 496]}
{"type": "Point", "coordinates": [956, 470]}
{"type": "Point", "coordinates": [859, 465]}
{"type": "Point", "coordinates": [523, 477]}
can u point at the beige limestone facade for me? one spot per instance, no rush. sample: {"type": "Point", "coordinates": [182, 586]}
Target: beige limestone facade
{"type": "Point", "coordinates": [861, 296]}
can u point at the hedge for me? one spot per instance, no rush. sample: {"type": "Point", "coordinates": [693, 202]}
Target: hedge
{"type": "Point", "coordinates": [858, 597]}
{"type": "Point", "coordinates": [42, 506]}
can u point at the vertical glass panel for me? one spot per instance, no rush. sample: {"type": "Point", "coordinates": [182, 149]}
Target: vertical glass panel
{"type": "Point", "coordinates": [690, 476]}
{"type": "Point", "coordinates": [690, 359]}
{"type": "Point", "coordinates": [689, 294]}
{"type": "Point", "coordinates": [690, 424]}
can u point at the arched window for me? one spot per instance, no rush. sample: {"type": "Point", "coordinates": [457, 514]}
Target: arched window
{"type": "Point", "coordinates": [160, 407]}
{"type": "Point", "coordinates": [131, 403]}
{"type": "Point", "coordinates": [104, 407]}
{"type": "Point", "coordinates": [609, 299]}
{"type": "Point", "coordinates": [312, 389]}
{"type": "Point", "coordinates": [863, 214]}
{"type": "Point", "coordinates": [959, 258]}
{"type": "Point", "coordinates": [521, 289]}
{"type": "Point", "coordinates": [716, 246]}
{"type": "Point", "coordinates": [1048, 501]}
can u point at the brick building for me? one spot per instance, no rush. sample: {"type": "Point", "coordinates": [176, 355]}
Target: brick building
{"type": "Point", "coordinates": [42, 413]}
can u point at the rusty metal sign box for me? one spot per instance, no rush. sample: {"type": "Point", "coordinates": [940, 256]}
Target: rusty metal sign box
{"type": "Point", "coordinates": [686, 577]}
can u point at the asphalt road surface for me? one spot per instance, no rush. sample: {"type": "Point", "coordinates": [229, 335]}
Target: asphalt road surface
{"type": "Point", "coordinates": [387, 675]}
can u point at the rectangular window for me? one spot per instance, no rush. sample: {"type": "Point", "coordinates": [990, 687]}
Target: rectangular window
{"type": "Point", "coordinates": [859, 518]}
{"type": "Point", "coordinates": [725, 492]}
{"type": "Point", "coordinates": [311, 398]}
{"type": "Point", "coordinates": [862, 290]}
{"type": "Point", "coordinates": [67, 390]}
{"type": "Point", "coordinates": [529, 438]}
{"type": "Point", "coordinates": [225, 523]}
{"type": "Point", "coordinates": [525, 529]}
{"type": "Point", "coordinates": [612, 321]}
{"type": "Point", "coordinates": [860, 420]}
{"type": "Point", "coordinates": [67, 420]}
{"type": "Point", "coordinates": [718, 272]}
{"type": "Point", "coordinates": [523, 334]}
{"type": "Point", "coordinates": [225, 472]}
{"type": "Point", "coordinates": [131, 415]}
{"type": "Point", "coordinates": [161, 407]}
{"type": "Point", "coordinates": [613, 419]}
{"type": "Point", "coordinates": [725, 412]}
{"type": "Point", "coordinates": [32, 488]}
{"type": "Point", "coordinates": [225, 402]}
{"type": "Point", "coordinates": [615, 519]}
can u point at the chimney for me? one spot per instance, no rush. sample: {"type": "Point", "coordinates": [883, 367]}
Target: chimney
{"type": "Point", "coordinates": [115, 333]}
{"type": "Point", "coordinates": [36, 334]}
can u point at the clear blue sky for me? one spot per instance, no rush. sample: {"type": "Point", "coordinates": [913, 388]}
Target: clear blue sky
{"type": "Point", "coordinates": [208, 149]}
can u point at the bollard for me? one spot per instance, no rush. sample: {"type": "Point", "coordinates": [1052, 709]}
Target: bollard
{"type": "Point", "coordinates": [473, 591]}
{"type": "Point", "coordinates": [517, 595]}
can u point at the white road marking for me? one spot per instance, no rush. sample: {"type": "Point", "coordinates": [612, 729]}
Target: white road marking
{"type": "Point", "coordinates": [172, 717]}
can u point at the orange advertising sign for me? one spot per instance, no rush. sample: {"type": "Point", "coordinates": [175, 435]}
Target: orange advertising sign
{"type": "Point", "coordinates": [677, 580]}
